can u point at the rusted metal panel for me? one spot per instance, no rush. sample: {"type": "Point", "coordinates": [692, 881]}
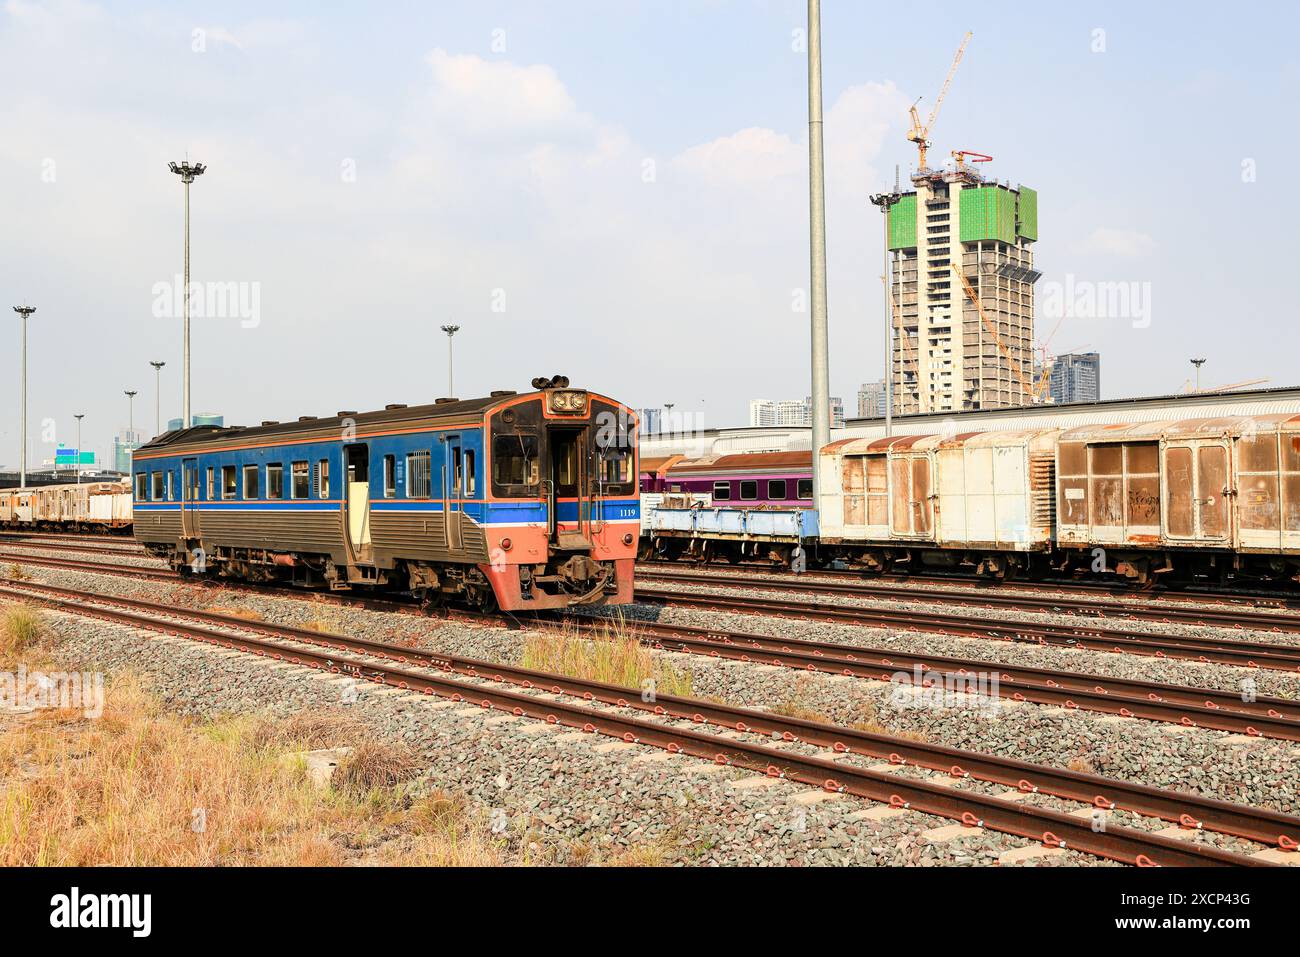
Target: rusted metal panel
{"type": "Point", "coordinates": [1179, 492]}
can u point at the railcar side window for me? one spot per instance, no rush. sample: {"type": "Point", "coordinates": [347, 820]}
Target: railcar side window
{"type": "Point", "coordinates": [749, 491]}
{"type": "Point", "coordinates": [229, 478]}
{"type": "Point", "coordinates": [515, 464]}
{"type": "Point", "coordinates": [804, 489]}
{"type": "Point", "coordinates": [301, 484]}
{"type": "Point", "coordinates": [470, 477]}
{"type": "Point", "coordinates": [418, 483]}
{"type": "Point", "coordinates": [250, 482]}
{"type": "Point", "coordinates": [171, 485]}
{"type": "Point", "coordinates": [141, 487]}
{"type": "Point", "coordinates": [211, 494]}
{"type": "Point", "coordinates": [776, 488]}
{"type": "Point", "coordinates": [722, 491]}
{"type": "Point", "coordinates": [390, 476]}
{"type": "Point", "coordinates": [157, 493]}
{"type": "Point", "coordinates": [275, 480]}
{"type": "Point", "coordinates": [323, 478]}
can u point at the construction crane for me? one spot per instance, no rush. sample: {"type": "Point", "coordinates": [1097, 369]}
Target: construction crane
{"type": "Point", "coordinates": [920, 135]}
{"type": "Point", "coordinates": [1012, 362]}
{"type": "Point", "coordinates": [961, 156]}
{"type": "Point", "coordinates": [1188, 386]}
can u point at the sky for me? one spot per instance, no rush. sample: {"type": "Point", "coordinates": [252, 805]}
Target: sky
{"type": "Point", "coordinates": [616, 191]}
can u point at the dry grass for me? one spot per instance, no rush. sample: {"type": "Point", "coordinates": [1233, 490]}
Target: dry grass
{"type": "Point", "coordinates": [128, 789]}
{"type": "Point", "coordinates": [21, 632]}
{"type": "Point", "coordinates": [1082, 764]}
{"type": "Point", "coordinates": [245, 613]}
{"type": "Point", "coordinates": [611, 653]}
{"type": "Point", "coordinates": [376, 764]}
{"type": "Point", "coordinates": [16, 573]}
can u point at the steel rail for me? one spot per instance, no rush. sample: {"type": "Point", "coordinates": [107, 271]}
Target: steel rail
{"type": "Point", "coordinates": [1242, 619]}
{"type": "Point", "coordinates": [1255, 824]}
{"type": "Point", "coordinates": [1251, 654]}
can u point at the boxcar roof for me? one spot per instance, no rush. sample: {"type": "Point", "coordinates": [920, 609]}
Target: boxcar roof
{"type": "Point", "coordinates": [659, 463]}
{"type": "Point", "coordinates": [745, 461]}
{"type": "Point", "coordinates": [1182, 428]}
{"type": "Point", "coordinates": [466, 409]}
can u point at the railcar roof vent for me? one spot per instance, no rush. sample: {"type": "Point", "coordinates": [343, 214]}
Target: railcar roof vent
{"type": "Point", "coordinates": [270, 422]}
{"type": "Point", "coordinates": [498, 393]}
{"type": "Point", "coordinates": [347, 412]}
{"type": "Point", "coordinates": [445, 399]}
{"type": "Point", "coordinates": [394, 405]}
{"type": "Point", "coordinates": [306, 418]}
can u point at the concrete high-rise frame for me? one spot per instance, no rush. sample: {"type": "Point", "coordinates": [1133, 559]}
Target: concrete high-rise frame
{"type": "Point", "coordinates": [945, 358]}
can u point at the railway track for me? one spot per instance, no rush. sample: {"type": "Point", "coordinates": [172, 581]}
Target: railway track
{"type": "Point", "coordinates": [483, 683]}
{"type": "Point", "coordinates": [1092, 637]}
{"type": "Point", "coordinates": [1234, 598]}
{"type": "Point", "coordinates": [1239, 617]}
{"type": "Point", "coordinates": [1261, 716]}
{"type": "Point", "coordinates": [84, 548]}
{"type": "Point", "coordinates": [102, 568]}
{"type": "Point", "coordinates": [1156, 701]}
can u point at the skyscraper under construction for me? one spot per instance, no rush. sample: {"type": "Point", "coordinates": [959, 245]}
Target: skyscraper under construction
{"type": "Point", "coordinates": [946, 356]}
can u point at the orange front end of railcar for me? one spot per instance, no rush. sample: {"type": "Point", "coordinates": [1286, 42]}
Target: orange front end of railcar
{"type": "Point", "coordinates": [563, 514]}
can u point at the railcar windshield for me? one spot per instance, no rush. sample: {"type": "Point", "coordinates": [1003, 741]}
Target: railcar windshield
{"type": "Point", "coordinates": [515, 464]}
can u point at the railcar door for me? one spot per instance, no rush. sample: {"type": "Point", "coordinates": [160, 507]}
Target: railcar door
{"type": "Point", "coordinates": [190, 498]}
{"type": "Point", "coordinates": [453, 491]}
{"type": "Point", "coordinates": [568, 484]}
{"type": "Point", "coordinates": [1198, 487]}
{"type": "Point", "coordinates": [356, 465]}
{"type": "Point", "coordinates": [911, 504]}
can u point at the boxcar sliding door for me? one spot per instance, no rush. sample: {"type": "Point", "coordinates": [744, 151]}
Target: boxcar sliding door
{"type": "Point", "coordinates": [1197, 492]}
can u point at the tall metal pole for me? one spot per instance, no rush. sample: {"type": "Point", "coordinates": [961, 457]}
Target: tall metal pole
{"type": "Point", "coordinates": [821, 403]}
{"type": "Point", "coordinates": [886, 202]}
{"type": "Point", "coordinates": [451, 331]}
{"type": "Point", "coordinates": [79, 416]}
{"type": "Point", "coordinates": [188, 174]}
{"type": "Point", "coordinates": [130, 426]}
{"type": "Point", "coordinates": [889, 329]}
{"type": "Point", "coordinates": [157, 396]}
{"type": "Point", "coordinates": [24, 312]}
{"type": "Point", "coordinates": [1198, 363]}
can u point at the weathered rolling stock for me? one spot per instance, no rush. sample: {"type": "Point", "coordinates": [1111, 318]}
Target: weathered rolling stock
{"type": "Point", "coordinates": [745, 506]}
{"type": "Point", "coordinates": [1205, 499]}
{"type": "Point", "coordinates": [517, 502]}
{"type": "Point", "coordinates": [84, 507]}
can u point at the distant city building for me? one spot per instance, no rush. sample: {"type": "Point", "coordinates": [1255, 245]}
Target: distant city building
{"type": "Point", "coordinates": [124, 444]}
{"type": "Point", "coordinates": [651, 420]}
{"type": "Point", "coordinates": [1076, 377]}
{"type": "Point", "coordinates": [871, 400]}
{"type": "Point", "coordinates": [792, 412]}
{"type": "Point", "coordinates": [200, 418]}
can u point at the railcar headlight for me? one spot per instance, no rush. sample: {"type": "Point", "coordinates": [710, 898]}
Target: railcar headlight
{"type": "Point", "coordinates": [568, 401]}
